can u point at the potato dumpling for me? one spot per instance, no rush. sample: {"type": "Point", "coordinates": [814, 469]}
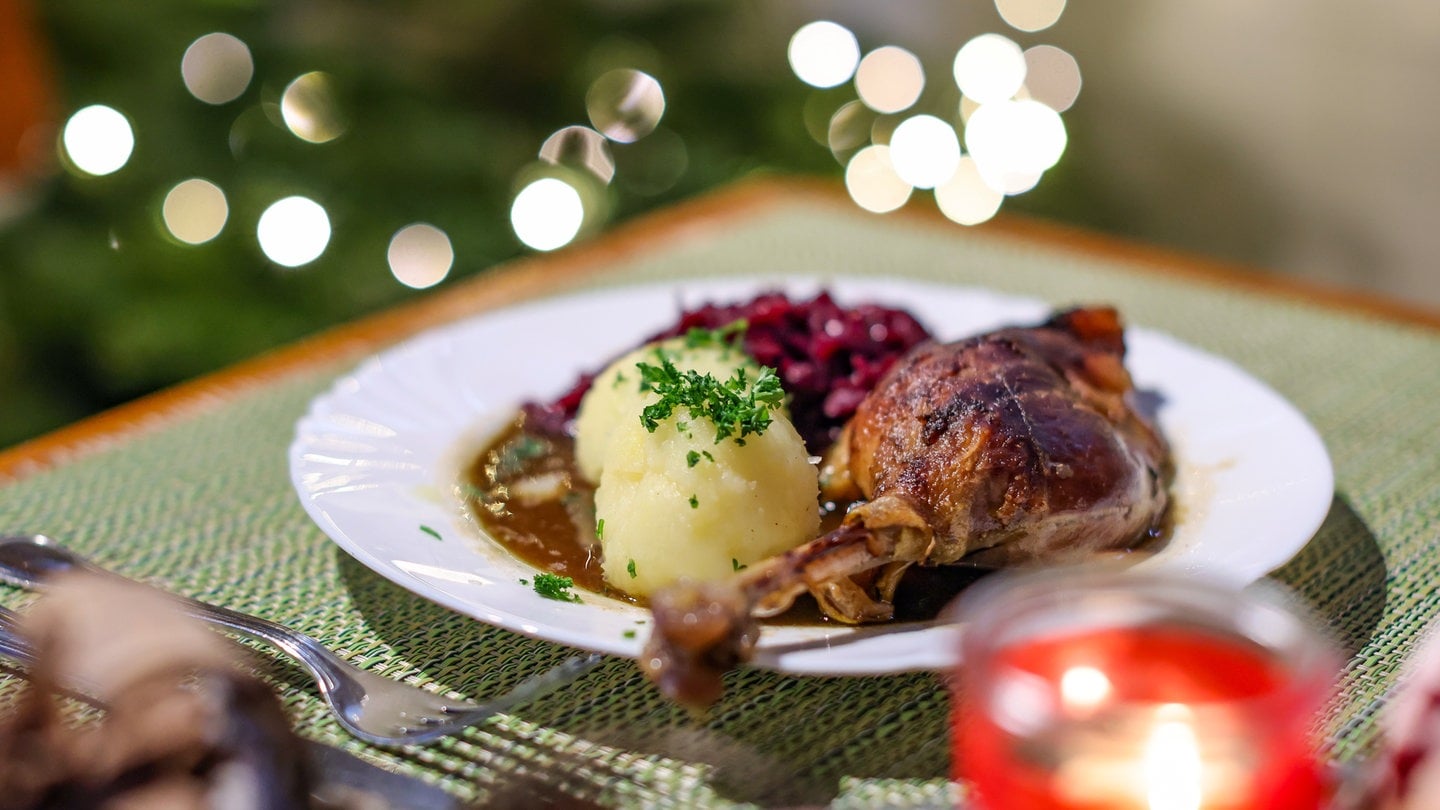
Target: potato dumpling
{"type": "Point", "coordinates": [615, 397]}
{"type": "Point", "coordinates": [675, 503]}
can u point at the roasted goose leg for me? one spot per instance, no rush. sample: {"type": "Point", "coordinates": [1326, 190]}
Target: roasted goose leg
{"type": "Point", "coordinates": [1021, 445]}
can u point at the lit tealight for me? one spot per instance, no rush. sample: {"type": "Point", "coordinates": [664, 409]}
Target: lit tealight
{"type": "Point", "coordinates": [195, 211]}
{"type": "Point", "coordinates": [824, 54]}
{"type": "Point", "coordinates": [925, 151]}
{"type": "Point", "coordinates": [293, 231]}
{"type": "Point", "coordinates": [309, 108]}
{"type": "Point", "coordinates": [966, 198]}
{"type": "Point", "coordinates": [872, 182]}
{"type": "Point", "coordinates": [625, 105]}
{"type": "Point", "coordinates": [1052, 76]}
{"type": "Point", "coordinates": [1173, 770]}
{"type": "Point", "coordinates": [1015, 139]}
{"type": "Point", "coordinates": [217, 68]}
{"type": "Point", "coordinates": [98, 140]}
{"type": "Point", "coordinates": [582, 147]}
{"type": "Point", "coordinates": [547, 214]}
{"type": "Point", "coordinates": [1030, 15]}
{"type": "Point", "coordinates": [990, 68]}
{"type": "Point", "coordinates": [1084, 687]}
{"type": "Point", "coordinates": [889, 79]}
{"type": "Point", "coordinates": [420, 255]}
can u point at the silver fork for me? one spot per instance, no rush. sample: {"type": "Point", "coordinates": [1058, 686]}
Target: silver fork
{"type": "Point", "coordinates": [372, 707]}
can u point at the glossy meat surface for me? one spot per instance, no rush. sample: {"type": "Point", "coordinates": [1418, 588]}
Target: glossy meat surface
{"type": "Point", "coordinates": [1015, 446]}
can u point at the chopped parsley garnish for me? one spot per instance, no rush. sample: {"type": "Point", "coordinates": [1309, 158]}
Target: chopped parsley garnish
{"type": "Point", "coordinates": [737, 565]}
{"type": "Point", "coordinates": [692, 458]}
{"type": "Point", "coordinates": [431, 532]}
{"type": "Point", "coordinates": [630, 569]}
{"type": "Point", "coordinates": [628, 634]}
{"type": "Point", "coordinates": [737, 407]}
{"type": "Point", "coordinates": [554, 586]}
{"type": "Point", "coordinates": [600, 529]}
{"type": "Point", "coordinates": [524, 581]}
{"type": "Point", "coordinates": [694, 502]}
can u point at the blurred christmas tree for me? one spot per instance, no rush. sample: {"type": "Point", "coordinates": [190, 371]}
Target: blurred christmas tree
{"type": "Point", "coordinates": [184, 184]}
{"type": "Point", "coordinates": [425, 111]}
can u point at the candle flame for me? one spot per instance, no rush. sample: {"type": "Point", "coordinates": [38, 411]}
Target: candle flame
{"type": "Point", "coordinates": [1172, 762]}
{"type": "Point", "coordinates": [1084, 687]}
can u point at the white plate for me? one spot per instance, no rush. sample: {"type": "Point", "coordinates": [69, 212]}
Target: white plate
{"type": "Point", "coordinates": [378, 456]}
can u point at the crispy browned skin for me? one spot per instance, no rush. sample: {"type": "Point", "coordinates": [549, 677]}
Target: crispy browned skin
{"type": "Point", "coordinates": [1021, 445]}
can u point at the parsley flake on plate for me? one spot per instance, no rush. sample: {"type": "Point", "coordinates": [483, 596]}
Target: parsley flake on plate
{"type": "Point", "coordinates": [555, 586]}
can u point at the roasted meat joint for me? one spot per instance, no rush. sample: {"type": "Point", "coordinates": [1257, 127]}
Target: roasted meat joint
{"type": "Point", "coordinates": [691, 491]}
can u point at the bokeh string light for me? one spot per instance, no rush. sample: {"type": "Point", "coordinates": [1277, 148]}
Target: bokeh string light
{"type": "Point", "coordinates": [195, 211]}
{"type": "Point", "coordinates": [624, 106]}
{"type": "Point", "coordinates": [889, 79]}
{"type": "Point", "coordinates": [547, 214]}
{"type": "Point", "coordinates": [1030, 15]}
{"type": "Point", "coordinates": [293, 231]}
{"type": "Point", "coordinates": [98, 140]}
{"type": "Point", "coordinates": [420, 255]}
{"type": "Point", "coordinates": [989, 69]}
{"type": "Point", "coordinates": [1007, 115]}
{"type": "Point", "coordinates": [310, 109]}
{"type": "Point", "coordinates": [872, 182]}
{"type": "Point", "coordinates": [582, 148]}
{"type": "Point", "coordinates": [1052, 76]}
{"type": "Point", "coordinates": [925, 151]}
{"type": "Point", "coordinates": [998, 138]}
{"type": "Point", "coordinates": [217, 68]}
{"type": "Point", "coordinates": [824, 54]}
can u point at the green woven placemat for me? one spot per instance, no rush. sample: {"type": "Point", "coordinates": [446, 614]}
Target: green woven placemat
{"type": "Point", "coordinates": [203, 506]}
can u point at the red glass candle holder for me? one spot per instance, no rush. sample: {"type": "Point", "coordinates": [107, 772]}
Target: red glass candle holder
{"type": "Point", "coordinates": [1083, 689]}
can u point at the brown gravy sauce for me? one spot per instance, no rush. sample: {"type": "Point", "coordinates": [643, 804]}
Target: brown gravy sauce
{"type": "Point", "coordinates": [552, 527]}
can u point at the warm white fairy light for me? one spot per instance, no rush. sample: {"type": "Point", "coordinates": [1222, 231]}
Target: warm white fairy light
{"type": "Point", "coordinates": [1014, 142]}
{"type": "Point", "coordinates": [990, 68]}
{"type": "Point", "coordinates": [625, 105]}
{"type": "Point", "coordinates": [98, 140]}
{"type": "Point", "coordinates": [217, 68]}
{"type": "Point", "coordinates": [581, 147]}
{"type": "Point", "coordinates": [293, 231]}
{"type": "Point", "coordinates": [195, 211]}
{"type": "Point", "coordinates": [1008, 111]}
{"type": "Point", "coordinates": [924, 151]}
{"type": "Point", "coordinates": [824, 54]}
{"type": "Point", "coordinates": [889, 79]}
{"type": "Point", "coordinates": [1052, 76]}
{"type": "Point", "coordinates": [310, 109]}
{"type": "Point", "coordinates": [420, 255]}
{"type": "Point", "coordinates": [547, 214]}
{"type": "Point", "coordinates": [872, 182]}
{"type": "Point", "coordinates": [1030, 15]}
{"type": "Point", "coordinates": [966, 198]}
